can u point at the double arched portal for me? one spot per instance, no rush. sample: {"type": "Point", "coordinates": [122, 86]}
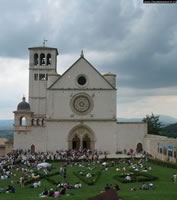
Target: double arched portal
{"type": "Point", "coordinates": [81, 137]}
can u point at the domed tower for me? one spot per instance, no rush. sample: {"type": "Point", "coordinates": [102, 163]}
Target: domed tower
{"type": "Point", "coordinates": [23, 117]}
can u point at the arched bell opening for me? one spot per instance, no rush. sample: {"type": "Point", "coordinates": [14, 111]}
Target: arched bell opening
{"type": "Point", "coordinates": [35, 59]}
{"type": "Point", "coordinates": [49, 59]}
{"type": "Point", "coordinates": [42, 59]}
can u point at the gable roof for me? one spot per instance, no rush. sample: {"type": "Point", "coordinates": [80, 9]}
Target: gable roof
{"type": "Point", "coordinates": [82, 57]}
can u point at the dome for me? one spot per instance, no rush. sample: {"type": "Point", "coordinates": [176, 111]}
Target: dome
{"type": "Point", "coordinates": [23, 105]}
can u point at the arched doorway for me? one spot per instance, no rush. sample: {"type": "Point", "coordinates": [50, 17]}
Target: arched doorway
{"type": "Point", "coordinates": [139, 148]}
{"type": "Point", "coordinates": [76, 143]}
{"type": "Point", "coordinates": [86, 142]}
{"type": "Point", "coordinates": [85, 138]}
{"type": "Point", "coordinates": [32, 149]}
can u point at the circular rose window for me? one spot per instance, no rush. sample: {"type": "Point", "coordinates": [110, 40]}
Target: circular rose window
{"type": "Point", "coordinates": [81, 80]}
{"type": "Point", "coordinates": [81, 104]}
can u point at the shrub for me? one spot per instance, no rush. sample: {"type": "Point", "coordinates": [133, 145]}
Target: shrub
{"type": "Point", "coordinates": [140, 177]}
{"type": "Point", "coordinates": [43, 176]}
{"type": "Point", "coordinates": [89, 181]}
{"type": "Point", "coordinates": [163, 163]}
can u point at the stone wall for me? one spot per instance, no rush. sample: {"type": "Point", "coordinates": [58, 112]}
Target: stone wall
{"type": "Point", "coordinates": [161, 147]}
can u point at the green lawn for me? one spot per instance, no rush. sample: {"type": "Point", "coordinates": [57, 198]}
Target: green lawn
{"type": "Point", "coordinates": [164, 188]}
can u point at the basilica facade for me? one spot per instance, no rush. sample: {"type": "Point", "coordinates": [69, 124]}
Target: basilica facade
{"type": "Point", "coordinates": [75, 110]}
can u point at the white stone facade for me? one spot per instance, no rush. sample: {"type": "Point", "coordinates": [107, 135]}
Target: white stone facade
{"type": "Point", "coordinates": [72, 111]}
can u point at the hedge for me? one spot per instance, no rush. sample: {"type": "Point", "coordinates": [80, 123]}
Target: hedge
{"type": "Point", "coordinates": [89, 181]}
{"type": "Point", "coordinates": [163, 163]}
{"type": "Point", "coordinates": [143, 177]}
{"type": "Point", "coordinates": [43, 176]}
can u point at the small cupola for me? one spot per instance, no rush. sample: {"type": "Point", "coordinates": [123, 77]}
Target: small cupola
{"type": "Point", "coordinates": [23, 105]}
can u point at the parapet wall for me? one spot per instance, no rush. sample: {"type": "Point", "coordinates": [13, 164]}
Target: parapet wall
{"type": "Point", "coordinates": [160, 147]}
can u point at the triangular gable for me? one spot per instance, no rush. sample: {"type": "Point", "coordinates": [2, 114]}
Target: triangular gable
{"type": "Point", "coordinates": [81, 67]}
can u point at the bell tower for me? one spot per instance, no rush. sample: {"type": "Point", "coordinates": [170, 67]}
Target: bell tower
{"type": "Point", "coordinates": [42, 60]}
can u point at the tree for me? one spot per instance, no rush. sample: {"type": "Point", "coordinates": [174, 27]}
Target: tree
{"type": "Point", "coordinates": [154, 125]}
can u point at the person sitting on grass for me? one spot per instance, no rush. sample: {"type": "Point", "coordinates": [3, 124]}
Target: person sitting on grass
{"type": "Point", "coordinates": [45, 192]}
{"type": "Point", "coordinates": [36, 184]}
{"type": "Point", "coordinates": [63, 191]}
{"type": "Point", "coordinates": [3, 190]}
{"type": "Point", "coordinates": [56, 193]}
{"type": "Point", "coordinates": [10, 189]}
{"type": "Point", "coordinates": [68, 186]}
{"type": "Point", "coordinates": [133, 189]}
{"type": "Point", "coordinates": [107, 187]}
{"type": "Point", "coordinates": [128, 178]}
{"type": "Point", "coordinates": [150, 186]}
{"type": "Point", "coordinates": [51, 193]}
{"type": "Point", "coordinates": [143, 187]}
{"type": "Point", "coordinates": [117, 187]}
{"type": "Point", "coordinates": [88, 175]}
{"type": "Point", "coordinates": [77, 185]}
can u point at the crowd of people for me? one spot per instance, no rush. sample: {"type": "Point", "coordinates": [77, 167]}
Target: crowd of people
{"type": "Point", "coordinates": [9, 189]}
{"type": "Point", "coordinates": [58, 155]}
{"type": "Point", "coordinates": [29, 164]}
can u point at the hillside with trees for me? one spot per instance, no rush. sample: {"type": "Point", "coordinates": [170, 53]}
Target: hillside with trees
{"type": "Point", "coordinates": [169, 131]}
{"type": "Point", "coordinates": [155, 127]}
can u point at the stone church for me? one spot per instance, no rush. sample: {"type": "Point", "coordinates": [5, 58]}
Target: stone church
{"type": "Point", "coordinates": [75, 110]}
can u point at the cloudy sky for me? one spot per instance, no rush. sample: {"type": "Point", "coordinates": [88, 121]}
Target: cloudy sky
{"type": "Point", "coordinates": [136, 41]}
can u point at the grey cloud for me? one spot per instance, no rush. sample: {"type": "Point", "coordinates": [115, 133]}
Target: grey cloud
{"type": "Point", "coordinates": [97, 25]}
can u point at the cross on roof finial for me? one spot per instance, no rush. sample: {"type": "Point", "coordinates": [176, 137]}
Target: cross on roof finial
{"type": "Point", "coordinates": [44, 42]}
{"type": "Point", "coordinates": [82, 54]}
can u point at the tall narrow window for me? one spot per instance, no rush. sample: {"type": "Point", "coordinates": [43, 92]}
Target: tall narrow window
{"type": "Point", "coordinates": [49, 59]}
{"type": "Point", "coordinates": [35, 77]}
{"type": "Point", "coordinates": [35, 59]}
{"type": "Point", "coordinates": [42, 59]}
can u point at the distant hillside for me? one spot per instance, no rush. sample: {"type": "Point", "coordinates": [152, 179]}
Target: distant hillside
{"type": "Point", "coordinates": [169, 131]}
{"type": "Point", "coordinates": [164, 119]}
{"type": "Point", "coordinates": [6, 129]}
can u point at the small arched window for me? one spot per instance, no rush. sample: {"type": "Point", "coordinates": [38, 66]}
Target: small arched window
{"type": "Point", "coordinates": [35, 59]}
{"type": "Point", "coordinates": [42, 59]}
{"type": "Point", "coordinates": [49, 59]}
{"type": "Point", "coordinates": [22, 121]}
{"type": "Point", "coordinates": [32, 149]}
